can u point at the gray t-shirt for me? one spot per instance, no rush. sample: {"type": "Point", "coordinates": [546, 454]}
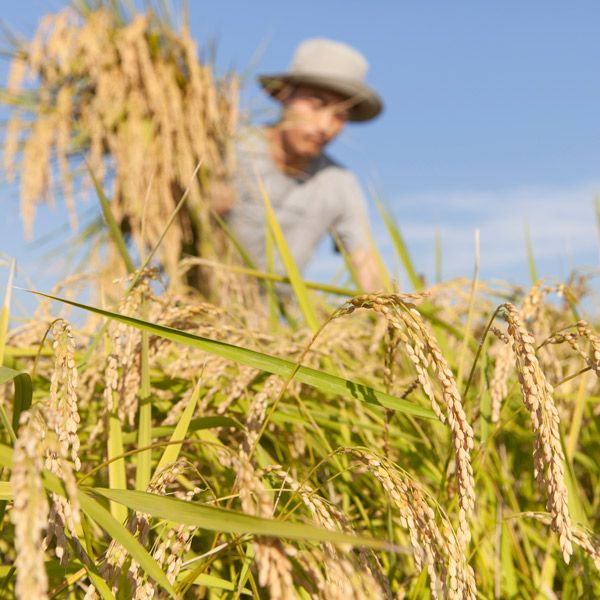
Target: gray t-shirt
{"type": "Point", "coordinates": [329, 197]}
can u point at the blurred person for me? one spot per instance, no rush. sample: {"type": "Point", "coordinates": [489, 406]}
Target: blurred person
{"type": "Point", "coordinates": [311, 194]}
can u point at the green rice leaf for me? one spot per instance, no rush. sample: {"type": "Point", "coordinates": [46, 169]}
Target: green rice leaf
{"type": "Point", "coordinates": [195, 425]}
{"type": "Point", "coordinates": [290, 265]}
{"type": "Point", "coordinates": [21, 399]}
{"type": "Point", "coordinates": [321, 380]}
{"type": "Point", "coordinates": [263, 275]}
{"type": "Point", "coordinates": [270, 286]}
{"type": "Point", "coordinates": [115, 530]}
{"type": "Point", "coordinates": [116, 468]}
{"type": "Point", "coordinates": [172, 451]}
{"type": "Point", "coordinates": [5, 310]}
{"type": "Point", "coordinates": [384, 275]}
{"type": "Point", "coordinates": [6, 456]}
{"type": "Point", "coordinates": [114, 450]}
{"type": "Point", "coordinates": [144, 457]}
{"type": "Point", "coordinates": [347, 261]}
{"type": "Point", "coordinates": [509, 576]}
{"type": "Point", "coordinates": [211, 581]}
{"type": "Point", "coordinates": [399, 244]}
{"type": "Point", "coordinates": [231, 236]}
{"type": "Point", "coordinates": [228, 521]}
{"type": "Point", "coordinates": [5, 491]}
{"type": "Point", "coordinates": [113, 227]}
{"type": "Point", "coordinates": [118, 532]}
{"type": "Point", "coordinates": [105, 520]}
{"type": "Point", "coordinates": [530, 257]}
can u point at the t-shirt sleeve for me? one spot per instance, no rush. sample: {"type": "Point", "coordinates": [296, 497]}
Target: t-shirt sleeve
{"type": "Point", "coordinates": [352, 224]}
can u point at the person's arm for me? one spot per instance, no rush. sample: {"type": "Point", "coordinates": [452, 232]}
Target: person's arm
{"type": "Point", "coordinates": [366, 267]}
{"type": "Point", "coordinates": [352, 230]}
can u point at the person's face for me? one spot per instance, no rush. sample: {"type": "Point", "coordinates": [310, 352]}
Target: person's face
{"type": "Point", "coordinates": [311, 118]}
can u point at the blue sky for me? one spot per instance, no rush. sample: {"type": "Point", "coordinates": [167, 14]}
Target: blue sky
{"type": "Point", "coordinates": [492, 118]}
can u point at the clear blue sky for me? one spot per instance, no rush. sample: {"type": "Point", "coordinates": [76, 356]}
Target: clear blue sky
{"type": "Point", "coordinates": [492, 117]}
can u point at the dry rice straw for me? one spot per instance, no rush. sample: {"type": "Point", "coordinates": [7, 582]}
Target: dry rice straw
{"type": "Point", "coordinates": [128, 97]}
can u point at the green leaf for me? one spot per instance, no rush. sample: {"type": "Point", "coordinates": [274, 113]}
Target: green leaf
{"type": "Point", "coordinates": [399, 244]}
{"type": "Point", "coordinates": [5, 491]}
{"type": "Point", "coordinates": [384, 275]}
{"type": "Point", "coordinates": [113, 227]}
{"type": "Point", "coordinates": [509, 576]}
{"type": "Point", "coordinates": [263, 275]}
{"type": "Point", "coordinates": [270, 286]}
{"type": "Point", "coordinates": [99, 583]}
{"type": "Point", "coordinates": [22, 381]}
{"type": "Point", "coordinates": [419, 587]}
{"type": "Point", "coordinates": [320, 380]}
{"type": "Point", "coordinates": [116, 468]}
{"type": "Point", "coordinates": [211, 581]}
{"type": "Point", "coordinates": [237, 245]}
{"type": "Point", "coordinates": [228, 521]}
{"type": "Point", "coordinates": [5, 310]}
{"type": "Point", "coordinates": [118, 532]}
{"type": "Point", "coordinates": [6, 456]}
{"type": "Point", "coordinates": [104, 519]}
{"type": "Point", "coordinates": [347, 261]}
{"type": "Point", "coordinates": [290, 265]}
{"type": "Point", "coordinates": [144, 457]}
{"type": "Point", "coordinates": [530, 257]}
{"type": "Point", "coordinates": [576, 496]}
{"type": "Point", "coordinates": [172, 451]}
{"type": "Point", "coordinates": [21, 400]}
{"type": "Point", "coordinates": [195, 425]}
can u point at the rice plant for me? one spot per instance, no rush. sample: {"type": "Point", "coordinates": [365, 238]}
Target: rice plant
{"type": "Point", "coordinates": [434, 444]}
{"type": "Point", "coordinates": [194, 451]}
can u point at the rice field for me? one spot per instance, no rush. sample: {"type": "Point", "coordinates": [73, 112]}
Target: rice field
{"type": "Point", "coordinates": [161, 441]}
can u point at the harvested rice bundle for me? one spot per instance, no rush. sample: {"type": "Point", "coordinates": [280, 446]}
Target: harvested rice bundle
{"type": "Point", "coordinates": [131, 99]}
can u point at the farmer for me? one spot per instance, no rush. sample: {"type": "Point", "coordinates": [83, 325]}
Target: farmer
{"type": "Point", "coordinates": [310, 193]}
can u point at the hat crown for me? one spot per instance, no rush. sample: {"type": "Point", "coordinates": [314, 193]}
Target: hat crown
{"type": "Point", "coordinates": [321, 56]}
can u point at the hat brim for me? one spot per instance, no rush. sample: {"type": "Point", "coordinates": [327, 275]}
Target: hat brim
{"type": "Point", "coordinates": [366, 103]}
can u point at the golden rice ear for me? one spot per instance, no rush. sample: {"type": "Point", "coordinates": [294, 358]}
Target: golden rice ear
{"type": "Point", "coordinates": [548, 456]}
{"type": "Point", "coordinates": [31, 509]}
{"type": "Point", "coordinates": [424, 352]}
{"type": "Point", "coordinates": [436, 547]}
{"type": "Point", "coordinates": [141, 116]}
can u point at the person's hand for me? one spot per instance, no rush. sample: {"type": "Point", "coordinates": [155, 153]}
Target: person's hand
{"type": "Point", "coordinates": [367, 270]}
{"type": "Point", "coordinates": [221, 196]}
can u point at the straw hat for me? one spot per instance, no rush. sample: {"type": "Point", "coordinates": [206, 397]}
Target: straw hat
{"type": "Point", "coordinates": [333, 66]}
